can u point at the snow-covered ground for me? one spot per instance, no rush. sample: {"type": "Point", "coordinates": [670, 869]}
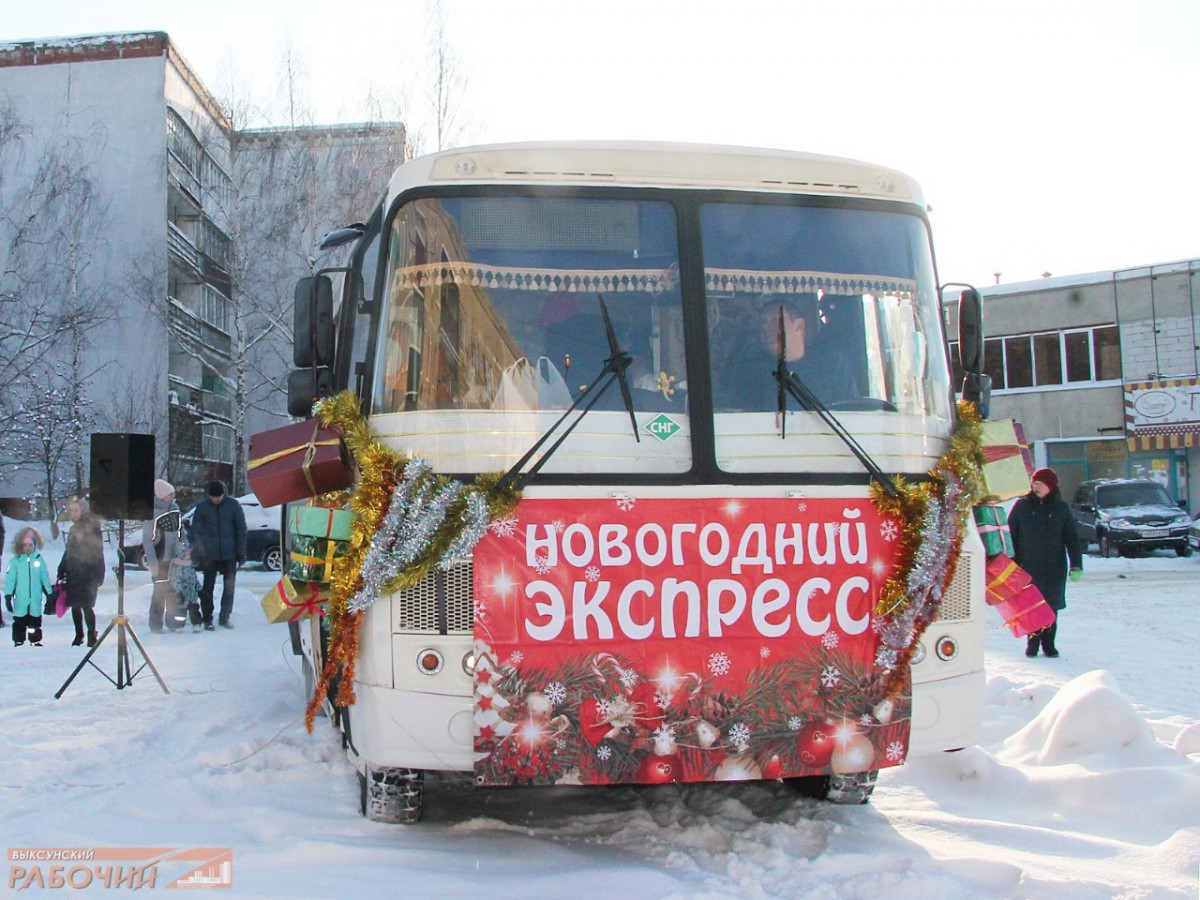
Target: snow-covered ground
{"type": "Point", "coordinates": [1083, 786]}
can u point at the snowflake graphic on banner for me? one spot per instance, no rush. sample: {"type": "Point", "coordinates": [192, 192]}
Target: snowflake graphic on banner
{"type": "Point", "coordinates": [889, 530]}
{"type": "Point", "coordinates": [625, 502]}
{"type": "Point", "coordinates": [830, 677]}
{"type": "Point", "coordinates": [629, 678]}
{"type": "Point", "coordinates": [830, 639]}
{"type": "Point", "coordinates": [517, 657]}
{"type": "Point", "coordinates": [764, 651]}
{"type": "Point", "coordinates": [719, 664]}
{"type": "Point", "coordinates": [557, 525]}
{"type": "Point", "coordinates": [603, 752]}
{"type": "Point", "coordinates": [740, 735]}
{"type": "Point", "coordinates": [556, 692]}
{"type": "Point", "coordinates": [795, 723]}
{"type": "Point", "coordinates": [504, 526]}
{"type": "Point", "coordinates": [895, 750]}
{"type": "Point", "coordinates": [541, 564]}
{"type": "Point", "coordinates": [591, 573]}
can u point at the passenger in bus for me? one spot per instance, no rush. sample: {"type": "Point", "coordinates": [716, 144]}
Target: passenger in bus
{"type": "Point", "coordinates": [746, 381]}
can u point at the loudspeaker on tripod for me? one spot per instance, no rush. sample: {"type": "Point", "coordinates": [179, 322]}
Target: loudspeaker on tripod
{"type": "Point", "coordinates": [122, 476]}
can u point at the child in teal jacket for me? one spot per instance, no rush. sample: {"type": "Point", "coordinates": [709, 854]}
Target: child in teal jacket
{"type": "Point", "coordinates": [26, 585]}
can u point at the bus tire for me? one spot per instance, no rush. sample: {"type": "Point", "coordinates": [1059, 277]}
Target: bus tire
{"type": "Point", "coordinates": [392, 796]}
{"type": "Point", "coordinates": [847, 790]}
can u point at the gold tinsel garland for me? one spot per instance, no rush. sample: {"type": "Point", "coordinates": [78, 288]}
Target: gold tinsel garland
{"type": "Point", "coordinates": [962, 461]}
{"type": "Point", "coordinates": [380, 469]}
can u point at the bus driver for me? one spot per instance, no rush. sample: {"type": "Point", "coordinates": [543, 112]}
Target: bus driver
{"type": "Point", "coordinates": [747, 382]}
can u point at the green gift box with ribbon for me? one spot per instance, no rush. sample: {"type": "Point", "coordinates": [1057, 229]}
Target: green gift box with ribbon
{"type": "Point", "coordinates": [319, 521]}
{"type": "Point", "coordinates": [312, 558]}
{"type": "Point", "coordinates": [992, 524]}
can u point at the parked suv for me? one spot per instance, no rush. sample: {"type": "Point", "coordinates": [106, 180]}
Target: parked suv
{"type": "Point", "coordinates": [1122, 514]}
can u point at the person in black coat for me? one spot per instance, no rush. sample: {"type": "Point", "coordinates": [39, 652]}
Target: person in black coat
{"type": "Point", "coordinates": [82, 570]}
{"type": "Point", "coordinates": [1044, 540]}
{"type": "Point", "coordinates": [218, 535]}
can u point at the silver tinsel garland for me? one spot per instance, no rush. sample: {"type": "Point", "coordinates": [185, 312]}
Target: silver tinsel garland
{"type": "Point", "coordinates": [474, 526]}
{"type": "Point", "coordinates": [927, 577]}
{"type": "Point", "coordinates": [417, 509]}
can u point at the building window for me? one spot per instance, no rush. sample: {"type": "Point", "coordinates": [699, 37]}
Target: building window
{"type": "Point", "coordinates": [1079, 355]}
{"type": "Point", "coordinates": [1049, 358]}
{"type": "Point", "coordinates": [1106, 343]}
{"type": "Point", "coordinates": [1047, 355]}
{"type": "Point", "coordinates": [1018, 362]}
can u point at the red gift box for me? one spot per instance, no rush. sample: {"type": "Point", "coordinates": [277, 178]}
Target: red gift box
{"type": "Point", "coordinates": [1005, 579]}
{"type": "Point", "coordinates": [297, 462]}
{"type": "Point", "coordinates": [1026, 613]}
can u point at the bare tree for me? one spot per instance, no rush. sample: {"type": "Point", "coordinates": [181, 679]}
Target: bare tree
{"type": "Point", "coordinates": [53, 296]}
{"type": "Point", "coordinates": [43, 437]}
{"type": "Point", "coordinates": [446, 83]}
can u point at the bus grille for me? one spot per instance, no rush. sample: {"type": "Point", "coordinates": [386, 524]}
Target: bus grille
{"type": "Point", "coordinates": [442, 602]}
{"type": "Point", "coordinates": [956, 603]}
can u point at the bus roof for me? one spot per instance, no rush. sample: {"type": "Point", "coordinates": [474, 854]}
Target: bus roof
{"type": "Point", "coordinates": [646, 164]}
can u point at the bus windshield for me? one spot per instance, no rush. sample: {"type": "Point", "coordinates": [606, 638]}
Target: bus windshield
{"type": "Point", "coordinates": [493, 304]}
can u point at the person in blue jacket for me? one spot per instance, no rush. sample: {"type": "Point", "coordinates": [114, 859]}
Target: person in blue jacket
{"type": "Point", "coordinates": [26, 586]}
{"type": "Point", "coordinates": [218, 535]}
{"type": "Point", "coordinates": [1045, 540]}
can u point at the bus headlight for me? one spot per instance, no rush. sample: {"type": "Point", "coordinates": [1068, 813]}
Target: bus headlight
{"type": "Point", "coordinates": [918, 654]}
{"type": "Point", "coordinates": [468, 663]}
{"type": "Point", "coordinates": [429, 661]}
{"type": "Point", "coordinates": [946, 647]}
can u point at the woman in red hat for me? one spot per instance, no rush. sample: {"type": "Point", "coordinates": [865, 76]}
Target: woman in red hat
{"type": "Point", "coordinates": [1044, 540]}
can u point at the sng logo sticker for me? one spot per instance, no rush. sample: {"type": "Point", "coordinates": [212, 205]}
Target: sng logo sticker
{"type": "Point", "coordinates": [662, 427]}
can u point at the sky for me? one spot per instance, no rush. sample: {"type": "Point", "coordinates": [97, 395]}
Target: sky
{"type": "Point", "coordinates": [1049, 137]}
{"type": "Point", "coordinates": [1085, 784]}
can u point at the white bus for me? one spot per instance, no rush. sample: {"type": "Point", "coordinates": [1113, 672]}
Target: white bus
{"type": "Point", "coordinates": [693, 361]}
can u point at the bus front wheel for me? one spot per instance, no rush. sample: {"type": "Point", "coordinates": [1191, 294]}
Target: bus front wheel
{"type": "Point", "coordinates": [391, 795]}
{"type": "Point", "coordinates": [848, 790]}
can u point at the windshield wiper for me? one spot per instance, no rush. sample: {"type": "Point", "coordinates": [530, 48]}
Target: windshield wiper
{"type": "Point", "coordinates": [791, 383]}
{"type": "Point", "coordinates": [613, 370]}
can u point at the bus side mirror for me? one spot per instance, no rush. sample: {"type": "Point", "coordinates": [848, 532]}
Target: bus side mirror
{"type": "Point", "coordinates": [977, 387]}
{"type": "Point", "coordinates": [970, 331]}
{"type": "Point", "coordinates": [305, 387]}
{"type": "Point", "coordinates": [312, 322]}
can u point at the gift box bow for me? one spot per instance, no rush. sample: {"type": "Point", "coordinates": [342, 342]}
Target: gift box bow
{"type": "Point", "coordinates": [310, 453]}
{"type": "Point", "coordinates": [303, 606]}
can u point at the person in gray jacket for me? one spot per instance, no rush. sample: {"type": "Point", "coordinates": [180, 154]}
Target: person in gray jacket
{"type": "Point", "coordinates": [218, 535]}
{"type": "Point", "coordinates": [159, 536]}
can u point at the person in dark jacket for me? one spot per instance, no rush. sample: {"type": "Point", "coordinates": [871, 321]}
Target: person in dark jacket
{"type": "Point", "coordinates": [1044, 541]}
{"type": "Point", "coordinates": [218, 534]}
{"type": "Point", "coordinates": [82, 570]}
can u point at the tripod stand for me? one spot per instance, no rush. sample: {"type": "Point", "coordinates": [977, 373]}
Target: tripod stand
{"type": "Point", "coordinates": [120, 623]}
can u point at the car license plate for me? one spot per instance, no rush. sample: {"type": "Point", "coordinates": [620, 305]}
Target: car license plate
{"type": "Point", "coordinates": [1155, 532]}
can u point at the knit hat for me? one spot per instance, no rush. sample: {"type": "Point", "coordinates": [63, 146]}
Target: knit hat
{"type": "Point", "coordinates": [162, 489]}
{"type": "Point", "coordinates": [216, 489]}
{"type": "Point", "coordinates": [1046, 477]}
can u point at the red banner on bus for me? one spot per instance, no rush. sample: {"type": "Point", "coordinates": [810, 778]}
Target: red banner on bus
{"type": "Point", "coordinates": [656, 640]}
